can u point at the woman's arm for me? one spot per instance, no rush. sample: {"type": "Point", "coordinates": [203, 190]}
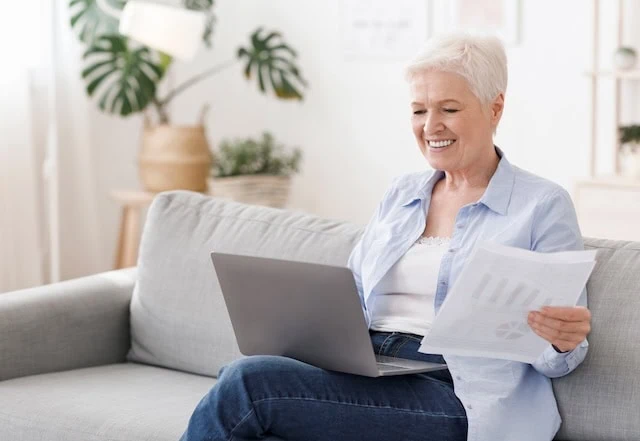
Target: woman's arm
{"type": "Point", "coordinates": [362, 246]}
{"type": "Point", "coordinates": [555, 228]}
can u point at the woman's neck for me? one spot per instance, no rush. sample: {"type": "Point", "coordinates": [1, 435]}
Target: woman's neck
{"type": "Point", "coordinates": [472, 178]}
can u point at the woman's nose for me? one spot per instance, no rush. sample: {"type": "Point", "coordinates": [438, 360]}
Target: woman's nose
{"type": "Point", "coordinates": [432, 124]}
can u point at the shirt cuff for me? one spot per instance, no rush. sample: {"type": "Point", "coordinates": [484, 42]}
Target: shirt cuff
{"type": "Point", "coordinates": [564, 361]}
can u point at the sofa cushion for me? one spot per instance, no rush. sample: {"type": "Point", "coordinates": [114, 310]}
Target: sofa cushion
{"type": "Point", "coordinates": [178, 315]}
{"type": "Point", "coordinates": [600, 399]}
{"type": "Point", "coordinates": [118, 402]}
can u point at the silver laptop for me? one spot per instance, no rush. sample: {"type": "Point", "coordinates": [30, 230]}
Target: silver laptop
{"type": "Point", "coordinates": [306, 311]}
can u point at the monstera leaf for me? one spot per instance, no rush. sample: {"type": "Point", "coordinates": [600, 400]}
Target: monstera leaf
{"type": "Point", "coordinates": [205, 6]}
{"type": "Point", "coordinates": [90, 21]}
{"type": "Point", "coordinates": [271, 58]}
{"type": "Point", "coordinates": [126, 77]}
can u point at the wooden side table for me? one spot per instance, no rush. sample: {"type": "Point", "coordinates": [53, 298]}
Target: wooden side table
{"type": "Point", "coordinates": [132, 203]}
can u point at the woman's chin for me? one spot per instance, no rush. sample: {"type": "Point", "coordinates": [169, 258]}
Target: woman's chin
{"type": "Point", "coordinates": [436, 162]}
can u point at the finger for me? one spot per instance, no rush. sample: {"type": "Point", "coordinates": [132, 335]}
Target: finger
{"type": "Point", "coordinates": [570, 331]}
{"type": "Point", "coordinates": [562, 344]}
{"type": "Point", "coordinates": [567, 313]}
{"type": "Point", "coordinates": [560, 325]}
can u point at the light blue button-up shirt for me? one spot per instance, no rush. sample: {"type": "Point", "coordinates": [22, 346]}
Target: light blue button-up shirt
{"type": "Point", "coordinates": [504, 400]}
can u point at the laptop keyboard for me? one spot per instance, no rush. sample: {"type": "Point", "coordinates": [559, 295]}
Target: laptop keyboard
{"type": "Point", "coordinates": [382, 367]}
{"type": "Point", "coordinates": [386, 363]}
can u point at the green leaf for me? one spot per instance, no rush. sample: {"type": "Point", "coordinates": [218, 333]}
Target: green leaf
{"type": "Point", "coordinates": [107, 95]}
{"type": "Point", "coordinates": [198, 5]}
{"type": "Point", "coordinates": [208, 30]}
{"type": "Point", "coordinates": [270, 55]}
{"type": "Point", "coordinates": [96, 81]}
{"type": "Point", "coordinates": [261, 80]}
{"type": "Point", "coordinates": [286, 90]}
{"type": "Point", "coordinates": [90, 69]}
{"type": "Point", "coordinates": [629, 134]}
{"type": "Point", "coordinates": [165, 61]}
{"type": "Point", "coordinates": [205, 6]}
{"type": "Point", "coordinates": [125, 77]}
{"type": "Point", "coordinates": [249, 156]}
{"type": "Point", "coordinates": [90, 21]}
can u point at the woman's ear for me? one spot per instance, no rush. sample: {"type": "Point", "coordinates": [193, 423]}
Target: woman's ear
{"type": "Point", "coordinates": [496, 108]}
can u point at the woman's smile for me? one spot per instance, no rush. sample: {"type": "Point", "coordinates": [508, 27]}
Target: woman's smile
{"type": "Point", "coordinates": [441, 146]}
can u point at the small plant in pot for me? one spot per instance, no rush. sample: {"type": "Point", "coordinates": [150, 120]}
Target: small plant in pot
{"type": "Point", "coordinates": [125, 76]}
{"type": "Point", "coordinates": [254, 171]}
{"type": "Point", "coordinates": [625, 58]}
{"type": "Point", "coordinates": [630, 150]}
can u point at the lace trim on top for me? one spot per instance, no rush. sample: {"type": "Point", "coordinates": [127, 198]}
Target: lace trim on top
{"type": "Point", "coordinates": [433, 240]}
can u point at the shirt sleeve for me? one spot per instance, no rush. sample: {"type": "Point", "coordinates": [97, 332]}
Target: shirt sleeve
{"type": "Point", "coordinates": [360, 249]}
{"type": "Point", "coordinates": [555, 228]}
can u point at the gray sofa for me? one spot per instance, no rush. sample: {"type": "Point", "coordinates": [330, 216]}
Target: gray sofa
{"type": "Point", "coordinates": [127, 355]}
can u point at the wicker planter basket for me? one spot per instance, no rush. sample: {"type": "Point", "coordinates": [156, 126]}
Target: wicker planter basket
{"type": "Point", "coordinates": [174, 158]}
{"type": "Point", "coordinates": [272, 191]}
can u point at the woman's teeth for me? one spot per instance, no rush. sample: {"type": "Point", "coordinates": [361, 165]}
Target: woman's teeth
{"type": "Point", "coordinates": [440, 144]}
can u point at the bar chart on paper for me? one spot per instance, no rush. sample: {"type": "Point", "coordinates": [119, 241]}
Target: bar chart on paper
{"type": "Point", "coordinates": [500, 293]}
{"type": "Point", "coordinates": [485, 312]}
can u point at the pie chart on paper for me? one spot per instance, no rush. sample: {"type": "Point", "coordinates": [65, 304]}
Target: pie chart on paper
{"type": "Point", "coordinates": [512, 330]}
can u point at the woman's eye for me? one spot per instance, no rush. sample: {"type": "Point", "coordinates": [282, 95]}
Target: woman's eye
{"type": "Point", "coordinates": [450, 110]}
{"type": "Point", "coordinates": [419, 112]}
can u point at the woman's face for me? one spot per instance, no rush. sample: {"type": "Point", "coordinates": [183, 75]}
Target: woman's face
{"type": "Point", "coordinates": [452, 127]}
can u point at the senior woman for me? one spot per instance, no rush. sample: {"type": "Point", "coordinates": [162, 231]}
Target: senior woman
{"type": "Point", "coordinates": [410, 253]}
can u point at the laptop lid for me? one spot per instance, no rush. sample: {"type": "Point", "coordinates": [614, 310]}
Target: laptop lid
{"type": "Point", "coordinates": [310, 312]}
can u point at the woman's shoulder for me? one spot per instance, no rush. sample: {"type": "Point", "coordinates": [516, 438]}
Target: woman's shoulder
{"type": "Point", "coordinates": [411, 181]}
{"type": "Point", "coordinates": [405, 188]}
{"type": "Point", "coordinates": [535, 188]}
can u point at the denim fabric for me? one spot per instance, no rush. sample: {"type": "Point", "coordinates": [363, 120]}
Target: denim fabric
{"type": "Point", "coordinates": [264, 395]}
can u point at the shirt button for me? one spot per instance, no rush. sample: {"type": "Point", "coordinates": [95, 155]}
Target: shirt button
{"type": "Point", "coordinates": [458, 377]}
{"type": "Point", "coordinates": [443, 283]}
{"type": "Point", "coordinates": [452, 250]}
{"type": "Point", "coordinates": [469, 406]}
{"type": "Point", "coordinates": [460, 226]}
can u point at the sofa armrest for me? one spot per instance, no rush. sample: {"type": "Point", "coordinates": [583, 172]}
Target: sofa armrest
{"type": "Point", "coordinates": [67, 325]}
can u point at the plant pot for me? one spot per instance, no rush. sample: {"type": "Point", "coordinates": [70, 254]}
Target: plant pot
{"type": "Point", "coordinates": [272, 191]}
{"type": "Point", "coordinates": [174, 158]}
{"type": "Point", "coordinates": [624, 58]}
{"type": "Point", "coordinates": [630, 162]}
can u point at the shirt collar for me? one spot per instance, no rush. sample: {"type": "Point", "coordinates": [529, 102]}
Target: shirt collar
{"type": "Point", "coordinates": [496, 197]}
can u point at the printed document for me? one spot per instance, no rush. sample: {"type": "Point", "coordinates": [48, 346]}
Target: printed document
{"type": "Point", "coordinates": [485, 311]}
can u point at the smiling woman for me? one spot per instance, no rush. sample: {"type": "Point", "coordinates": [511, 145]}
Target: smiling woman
{"type": "Point", "coordinates": [457, 101]}
{"type": "Point", "coordinates": [413, 249]}
{"type": "Point", "coordinates": [452, 126]}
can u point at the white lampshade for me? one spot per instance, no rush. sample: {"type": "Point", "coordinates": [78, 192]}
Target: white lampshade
{"type": "Point", "coordinates": [173, 30]}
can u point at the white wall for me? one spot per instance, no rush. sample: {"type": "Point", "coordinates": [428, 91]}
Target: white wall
{"type": "Point", "coordinates": [354, 123]}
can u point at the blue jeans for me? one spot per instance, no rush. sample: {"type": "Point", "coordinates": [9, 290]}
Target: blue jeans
{"type": "Point", "coordinates": [264, 395]}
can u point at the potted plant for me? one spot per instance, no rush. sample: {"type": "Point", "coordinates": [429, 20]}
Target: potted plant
{"type": "Point", "coordinates": [124, 76]}
{"type": "Point", "coordinates": [254, 171]}
{"type": "Point", "coordinates": [630, 150]}
{"type": "Point", "coordinates": [624, 58]}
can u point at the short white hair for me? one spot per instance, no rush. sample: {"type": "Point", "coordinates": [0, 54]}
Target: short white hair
{"type": "Point", "coordinates": [479, 59]}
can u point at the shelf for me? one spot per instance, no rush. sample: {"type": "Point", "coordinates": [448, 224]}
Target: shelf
{"type": "Point", "coordinates": [632, 74]}
{"type": "Point", "coordinates": [611, 181]}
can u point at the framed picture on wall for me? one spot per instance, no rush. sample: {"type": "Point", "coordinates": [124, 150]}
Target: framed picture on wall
{"type": "Point", "coordinates": [383, 29]}
{"type": "Point", "coordinates": [500, 17]}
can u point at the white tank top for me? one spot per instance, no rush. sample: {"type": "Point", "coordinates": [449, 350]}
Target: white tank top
{"type": "Point", "coordinates": [405, 296]}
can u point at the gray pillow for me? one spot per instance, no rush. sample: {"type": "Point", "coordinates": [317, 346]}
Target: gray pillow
{"type": "Point", "coordinates": [178, 316]}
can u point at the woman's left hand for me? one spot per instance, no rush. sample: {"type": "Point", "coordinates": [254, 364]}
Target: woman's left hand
{"type": "Point", "coordinates": [563, 327]}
